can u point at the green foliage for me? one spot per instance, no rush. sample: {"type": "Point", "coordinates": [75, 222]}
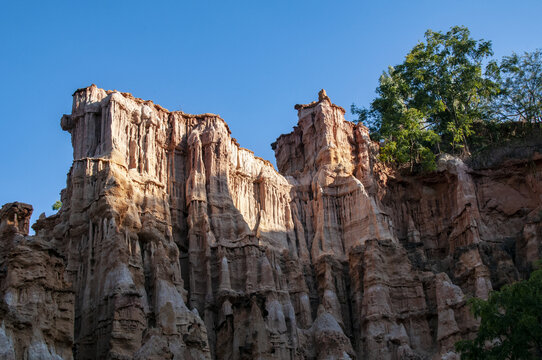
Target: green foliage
{"type": "Point", "coordinates": [443, 98]}
{"type": "Point", "coordinates": [57, 205]}
{"type": "Point", "coordinates": [520, 78]}
{"type": "Point", "coordinates": [443, 80]}
{"type": "Point", "coordinates": [406, 138]}
{"type": "Point", "coordinates": [514, 115]}
{"type": "Point", "coordinates": [409, 142]}
{"type": "Point", "coordinates": [429, 102]}
{"type": "Point", "coordinates": [497, 134]}
{"type": "Point", "coordinates": [511, 323]}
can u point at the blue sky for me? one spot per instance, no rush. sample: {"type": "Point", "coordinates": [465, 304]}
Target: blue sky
{"type": "Point", "coordinates": [249, 61]}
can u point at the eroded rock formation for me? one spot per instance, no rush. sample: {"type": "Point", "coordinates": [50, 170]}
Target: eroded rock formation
{"type": "Point", "coordinates": [175, 243]}
{"type": "Point", "coordinates": [36, 307]}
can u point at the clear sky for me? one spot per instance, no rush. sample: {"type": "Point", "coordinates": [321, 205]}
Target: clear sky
{"type": "Point", "coordinates": [249, 61]}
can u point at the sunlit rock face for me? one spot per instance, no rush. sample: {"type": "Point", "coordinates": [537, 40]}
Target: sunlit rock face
{"type": "Point", "coordinates": [175, 243]}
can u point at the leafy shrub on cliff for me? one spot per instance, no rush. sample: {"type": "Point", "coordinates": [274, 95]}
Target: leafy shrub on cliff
{"type": "Point", "coordinates": [57, 205]}
{"type": "Point", "coordinates": [511, 323]}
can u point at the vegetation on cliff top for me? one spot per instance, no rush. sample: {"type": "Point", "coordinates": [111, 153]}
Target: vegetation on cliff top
{"type": "Point", "coordinates": [450, 96]}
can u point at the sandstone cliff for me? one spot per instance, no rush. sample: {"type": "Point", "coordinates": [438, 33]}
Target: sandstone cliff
{"type": "Point", "coordinates": [175, 243]}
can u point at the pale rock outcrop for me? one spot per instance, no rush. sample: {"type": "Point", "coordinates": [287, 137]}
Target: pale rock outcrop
{"type": "Point", "coordinates": [36, 303]}
{"type": "Point", "coordinates": [174, 242]}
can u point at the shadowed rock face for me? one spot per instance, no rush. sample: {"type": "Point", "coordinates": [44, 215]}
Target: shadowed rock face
{"type": "Point", "coordinates": [175, 243]}
{"type": "Point", "coordinates": [36, 305]}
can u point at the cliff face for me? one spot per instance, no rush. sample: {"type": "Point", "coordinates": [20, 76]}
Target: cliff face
{"type": "Point", "coordinates": [36, 306]}
{"type": "Point", "coordinates": [174, 242]}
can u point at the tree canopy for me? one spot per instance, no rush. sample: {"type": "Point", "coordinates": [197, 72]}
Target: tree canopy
{"type": "Point", "coordinates": [511, 323]}
{"type": "Point", "coordinates": [445, 88]}
{"type": "Point", "coordinates": [520, 79]}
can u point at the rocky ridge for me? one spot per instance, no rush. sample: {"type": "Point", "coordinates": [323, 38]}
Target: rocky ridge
{"type": "Point", "coordinates": [173, 242]}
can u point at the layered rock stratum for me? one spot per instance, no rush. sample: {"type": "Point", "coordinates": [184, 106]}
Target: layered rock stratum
{"type": "Point", "coordinates": [173, 242]}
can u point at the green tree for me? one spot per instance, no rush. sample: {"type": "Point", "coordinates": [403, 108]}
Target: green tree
{"type": "Point", "coordinates": [520, 78]}
{"type": "Point", "coordinates": [441, 83]}
{"type": "Point", "coordinates": [406, 137]}
{"type": "Point", "coordinates": [511, 323]}
{"type": "Point", "coordinates": [57, 205]}
{"type": "Point", "coordinates": [409, 143]}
